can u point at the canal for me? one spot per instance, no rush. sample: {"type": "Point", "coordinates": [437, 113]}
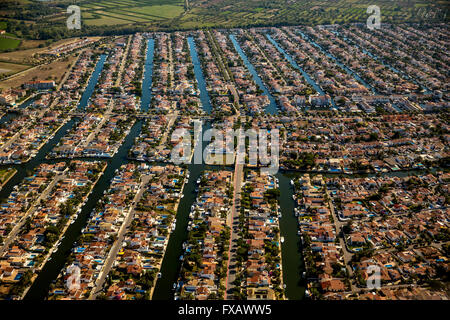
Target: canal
{"type": "Point", "coordinates": [148, 73]}
{"type": "Point", "coordinates": [26, 169]}
{"type": "Point", "coordinates": [39, 289]}
{"type": "Point", "coordinates": [380, 60]}
{"type": "Point", "coordinates": [336, 60]}
{"type": "Point", "coordinates": [14, 113]}
{"type": "Point", "coordinates": [92, 82]}
{"type": "Point", "coordinates": [204, 96]}
{"type": "Point", "coordinates": [272, 108]}
{"type": "Point", "coordinates": [296, 66]}
{"type": "Point", "coordinates": [291, 249]}
{"type": "Point", "coordinates": [171, 263]}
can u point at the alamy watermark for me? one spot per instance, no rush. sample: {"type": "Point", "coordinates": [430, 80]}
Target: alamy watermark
{"type": "Point", "coordinates": [374, 20]}
{"type": "Point", "coordinates": [228, 147]}
{"type": "Point", "coordinates": [74, 20]}
{"type": "Point", "coordinates": [73, 281]}
{"type": "Point", "coordinates": [374, 277]}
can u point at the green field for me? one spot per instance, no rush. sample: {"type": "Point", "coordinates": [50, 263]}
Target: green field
{"type": "Point", "coordinates": [33, 19]}
{"type": "Point", "coordinates": [122, 12]}
{"type": "Point", "coordinates": [5, 174]}
{"type": "Point", "coordinates": [8, 43]}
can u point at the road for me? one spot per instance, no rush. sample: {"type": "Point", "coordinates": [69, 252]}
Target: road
{"type": "Point", "coordinates": [122, 63]}
{"type": "Point", "coordinates": [172, 117]}
{"type": "Point", "coordinates": [338, 225]}
{"type": "Point", "coordinates": [106, 117]}
{"type": "Point", "coordinates": [69, 71]}
{"type": "Point", "coordinates": [118, 243]}
{"type": "Point", "coordinates": [218, 56]}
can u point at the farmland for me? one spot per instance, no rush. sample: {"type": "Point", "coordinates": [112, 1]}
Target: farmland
{"type": "Point", "coordinates": [124, 12]}
{"type": "Point", "coordinates": [8, 43]}
{"type": "Point", "coordinates": [47, 20]}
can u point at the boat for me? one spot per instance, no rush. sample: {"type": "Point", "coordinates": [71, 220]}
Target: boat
{"type": "Point", "coordinates": [174, 285]}
{"type": "Point", "coordinates": [159, 275]}
{"type": "Point", "coordinates": [292, 182]}
{"type": "Point", "coordinates": [282, 239]}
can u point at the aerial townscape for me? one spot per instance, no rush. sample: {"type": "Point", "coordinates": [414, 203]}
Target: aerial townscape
{"type": "Point", "coordinates": [94, 205]}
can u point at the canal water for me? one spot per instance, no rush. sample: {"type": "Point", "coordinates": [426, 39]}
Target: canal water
{"type": "Point", "coordinates": [148, 73]}
{"type": "Point", "coordinates": [272, 108]}
{"type": "Point", "coordinates": [39, 289]}
{"type": "Point", "coordinates": [92, 83]}
{"type": "Point", "coordinates": [9, 116]}
{"type": "Point", "coordinates": [26, 169]}
{"type": "Point", "coordinates": [380, 60]}
{"type": "Point", "coordinates": [343, 66]}
{"type": "Point", "coordinates": [296, 66]}
{"type": "Point", "coordinates": [204, 96]}
{"type": "Point", "coordinates": [171, 263]}
{"type": "Point", "coordinates": [12, 114]}
{"type": "Point", "coordinates": [291, 249]}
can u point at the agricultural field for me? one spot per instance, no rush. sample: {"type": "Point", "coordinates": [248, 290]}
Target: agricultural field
{"type": "Point", "coordinates": [125, 12]}
{"type": "Point", "coordinates": [7, 43]}
{"type": "Point", "coordinates": [232, 13]}
{"type": "Point", "coordinates": [47, 20]}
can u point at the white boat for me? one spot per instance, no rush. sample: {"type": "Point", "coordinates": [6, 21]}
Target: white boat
{"type": "Point", "coordinates": [159, 275]}
{"type": "Point", "coordinates": [282, 239]}
{"type": "Point", "coordinates": [292, 182]}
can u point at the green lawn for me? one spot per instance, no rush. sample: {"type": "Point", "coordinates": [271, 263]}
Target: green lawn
{"type": "Point", "coordinates": [8, 43]}
{"type": "Point", "coordinates": [5, 174]}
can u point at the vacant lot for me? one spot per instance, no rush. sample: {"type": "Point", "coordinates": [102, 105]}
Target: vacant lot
{"type": "Point", "coordinates": [26, 56]}
{"type": "Point", "coordinates": [10, 68]}
{"type": "Point", "coordinates": [53, 71]}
